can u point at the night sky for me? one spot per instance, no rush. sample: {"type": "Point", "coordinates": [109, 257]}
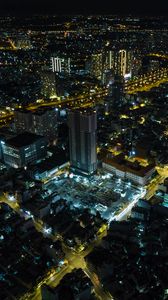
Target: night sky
{"type": "Point", "coordinates": [150, 7]}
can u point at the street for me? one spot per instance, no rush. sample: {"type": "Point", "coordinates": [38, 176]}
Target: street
{"type": "Point", "coordinates": [76, 260]}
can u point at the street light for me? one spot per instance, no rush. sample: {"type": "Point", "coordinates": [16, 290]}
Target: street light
{"type": "Point", "coordinates": [47, 230]}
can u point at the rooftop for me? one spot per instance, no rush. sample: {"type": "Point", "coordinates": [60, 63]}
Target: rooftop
{"type": "Point", "coordinates": [121, 163]}
{"type": "Point", "coordinates": [23, 139]}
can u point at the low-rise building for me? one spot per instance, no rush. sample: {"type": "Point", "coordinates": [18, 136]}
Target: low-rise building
{"type": "Point", "coordinates": [23, 149]}
{"type": "Point", "coordinates": [133, 171]}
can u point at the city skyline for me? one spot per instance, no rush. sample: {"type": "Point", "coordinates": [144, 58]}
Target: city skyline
{"type": "Point", "coordinates": [83, 153]}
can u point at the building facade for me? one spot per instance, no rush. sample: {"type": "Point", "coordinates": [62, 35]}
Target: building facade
{"type": "Point", "coordinates": [48, 84]}
{"type": "Point", "coordinates": [139, 175]}
{"type": "Point", "coordinates": [94, 65]}
{"type": "Point", "coordinates": [61, 64]}
{"type": "Point", "coordinates": [22, 120]}
{"type": "Point", "coordinates": [43, 121]}
{"type": "Point", "coordinates": [118, 60]}
{"type": "Point", "coordinates": [82, 140]}
{"type": "Point", "coordinates": [23, 149]}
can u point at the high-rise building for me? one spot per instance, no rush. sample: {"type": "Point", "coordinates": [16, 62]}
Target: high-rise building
{"type": "Point", "coordinates": [108, 59]}
{"type": "Point", "coordinates": [122, 62]}
{"type": "Point", "coordinates": [22, 120]}
{"type": "Point", "coordinates": [94, 65]}
{"type": "Point", "coordinates": [61, 64]}
{"type": "Point", "coordinates": [48, 83]}
{"type": "Point", "coordinates": [118, 60]}
{"type": "Point", "coordinates": [107, 77]}
{"type": "Point", "coordinates": [45, 122]}
{"type": "Point", "coordinates": [82, 140]}
{"type": "Point", "coordinates": [78, 64]}
{"type": "Point", "coordinates": [42, 122]}
{"type": "Point", "coordinates": [116, 91]}
{"type": "Point", "coordinates": [71, 62]}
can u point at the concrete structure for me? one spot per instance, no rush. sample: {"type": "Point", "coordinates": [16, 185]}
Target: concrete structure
{"type": "Point", "coordinates": [22, 120]}
{"type": "Point", "coordinates": [48, 83]}
{"type": "Point", "coordinates": [118, 60]}
{"type": "Point", "coordinates": [128, 170]}
{"type": "Point", "coordinates": [60, 64]}
{"type": "Point", "coordinates": [95, 65]}
{"type": "Point", "coordinates": [23, 149]}
{"type": "Point", "coordinates": [43, 121]}
{"type": "Point", "coordinates": [82, 140]}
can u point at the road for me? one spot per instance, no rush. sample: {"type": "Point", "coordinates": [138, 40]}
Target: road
{"type": "Point", "coordinates": [143, 83]}
{"type": "Point", "coordinates": [159, 179]}
{"type": "Point", "coordinates": [147, 81]}
{"type": "Point", "coordinates": [163, 171]}
{"type": "Point", "coordinates": [76, 260]}
{"type": "Point", "coordinates": [98, 288]}
{"type": "Point", "coordinates": [153, 185]}
{"type": "Point", "coordinates": [83, 100]}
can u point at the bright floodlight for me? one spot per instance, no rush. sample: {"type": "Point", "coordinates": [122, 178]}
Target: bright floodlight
{"type": "Point", "coordinates": [47, 230]}
{"type": "Point", "coordinates": [123, 194]}
{"type": "Point", "coordinates": [61, 263]}
{"type": "Point", "coordinates": [28, 213]}
{"type": "Point", "coordinates": [11, 198]}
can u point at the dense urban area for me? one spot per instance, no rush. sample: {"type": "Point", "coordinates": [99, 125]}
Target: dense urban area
{"type": "Point", "coordinates": [83, 157]}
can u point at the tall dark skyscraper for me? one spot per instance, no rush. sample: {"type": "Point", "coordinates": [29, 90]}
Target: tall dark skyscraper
{"type": "Point", "coordinates": [82, 140]}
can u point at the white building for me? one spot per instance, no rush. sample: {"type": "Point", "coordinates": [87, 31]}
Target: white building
{"type": "Point", "coordinates": [134, 172]}
{"type": "Point", "coordinates": [61, 64]}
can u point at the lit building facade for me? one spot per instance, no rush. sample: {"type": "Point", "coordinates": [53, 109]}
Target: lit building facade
{"type": "Point", "coordinates": [94, 65]}
{"type": "Point", "coordinates": [48, 84]}
{"type": "Point", "coordinates": [42, 122]}
{"type": "Point", "coordinates": [24, 149]}
{"type": "Point", "coordinates": [61, 64]}
{"type": "Point", "coordinates": [138, 174]}
{"type": "Point", "coordinates": [82, 140]}
{"type": "Point", "coordinates": [108, 60]}
{"type": "Point", "coordinates": [22, 120]}
{"type": "Point", "coordinates": [120, 61]}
